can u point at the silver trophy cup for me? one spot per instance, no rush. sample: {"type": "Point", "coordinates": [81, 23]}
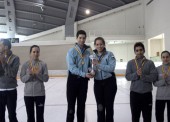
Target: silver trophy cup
{"type": "Point", "coordinates": [93, 57]}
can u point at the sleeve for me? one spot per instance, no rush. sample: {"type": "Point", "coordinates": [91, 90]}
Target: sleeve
{"type": "Point", "coordinates": [111, 63]}
{"type": "Point", "coordinates": [71, 62]}
{"type": "Point", "coordinates": [24, 75]}
{"type": "Point", "coordinates": [44, 76]}
{"type": "Point", "coordinates": [160, 83]}
{"type": "Point", "coordinates": [167, 80]}
{"type": "Point", "coordinates": [152, 76]}
{"type": "Point", "coordinates": [130, 76]}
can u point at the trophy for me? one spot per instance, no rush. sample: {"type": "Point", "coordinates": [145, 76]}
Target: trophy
{"type": "Point", "coordinates": [93, 57]}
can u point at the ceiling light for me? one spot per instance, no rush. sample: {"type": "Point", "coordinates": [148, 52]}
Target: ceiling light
{"type": "Point", "coordinates": [87, 11]}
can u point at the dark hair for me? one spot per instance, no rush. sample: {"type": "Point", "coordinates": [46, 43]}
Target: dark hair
{"type": "Point", "coordinates": [80, 32]}
{"type": "Point", "coordinates": [99, 38]}
{"type": "Point", "coordinates": [6, 42]}
{"type": "Point", "coordinates": [139, 44]}
{"type": "Point", "coordinates": [33, 47]}
{"type": "Point", "coordinates": [165, 52]}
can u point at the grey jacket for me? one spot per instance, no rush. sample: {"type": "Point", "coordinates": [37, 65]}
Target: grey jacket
{"type": "Point", "coordinates": [34, 85]}
{"type": "Point", "coordinates": [8, 72]}
{"type": "Point", "coordinates": [141, 84]}
{"type": "Point", "coordinates": [163, 90]}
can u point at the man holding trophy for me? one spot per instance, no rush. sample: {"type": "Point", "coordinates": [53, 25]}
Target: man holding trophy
{"type": "Point", "coordinates": [78, 62]}
{"type": "Point", "coordinates": [9, 64]}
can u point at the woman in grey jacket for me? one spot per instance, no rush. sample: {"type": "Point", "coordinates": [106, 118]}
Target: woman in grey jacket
{"type": "Point", "coordinates": [105, 86]}
{"type": "Point", "coordinates": [163, 90]}
{"type": "Point", "coordinates": [34, 73]}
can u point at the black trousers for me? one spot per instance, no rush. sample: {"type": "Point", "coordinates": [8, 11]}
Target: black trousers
{"type": "Point", "coordinates": [76, 90]}
{"type": "Point", "coordinates": [160, 107]}
{"type": "Point", "coordinates": [141, 103]}
{"type": "Point", "coordinates": [105, 91]}
{"type": "Point", "coordinates": [8, 99]}
{"type": "Point", "coordinates": [39, 101]}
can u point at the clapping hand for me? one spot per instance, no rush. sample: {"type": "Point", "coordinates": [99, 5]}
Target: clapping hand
{"type": "Point", "coordinates": [166, 77]}
{"type": "Point", "coordinates": [33, 71]}
{"type": "Point", "coordinates": [139, 72]}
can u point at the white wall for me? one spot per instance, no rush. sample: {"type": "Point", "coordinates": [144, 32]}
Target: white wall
{"type": "Point", "coordinates": [122, 51]}
{"type": "Point", "coordinates": [157, 20]}
{"type": "Point", "coordinates": [155, 46]}
{"type": "Point", "coordinates": [128, 21]}
{"type": "Point", "coordinates": [54, 55]}
{"type": "Point", "coordinates": [49, 37]}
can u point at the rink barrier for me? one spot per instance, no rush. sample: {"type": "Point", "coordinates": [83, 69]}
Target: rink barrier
{"type": "Point", "coordinates": [63, 73]}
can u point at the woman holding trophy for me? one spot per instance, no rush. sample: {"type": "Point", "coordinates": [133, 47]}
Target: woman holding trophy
{"type": "Point", "coordinates": [34, 73]}
{"type": "Point", "coordinates": [105, 86]}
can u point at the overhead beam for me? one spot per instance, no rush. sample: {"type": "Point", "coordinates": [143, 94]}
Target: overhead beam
{"type": "Point", "coordinates": [2, 11]}
{"type": "Point", "coordinates": [99, 4]}
{"type": "Point", "coordinates": [29, 28]}
{"type": "Point", "coordinates": [81, 16]}
{"type": "Point", "coordinates": [2, 15]}
{"type": "Point", "coordinates": [27, 12]}
{"type": "Point", "coordinates": [10, 18]}
{"type": "Point", "coordinates": [57, 1]}
{"type": "Point", "coordinates": [120, 1]}
{"type": "Point", "coordinates": [3, 32]}
{"type": "Point", "coordinates": [2, 5]}
{"type": "Point", "coordinates": [38, 5]}
{"type": "Point", "coordinates": [28, 20]}
{"type": "Point", "coordinates": [70, 18]}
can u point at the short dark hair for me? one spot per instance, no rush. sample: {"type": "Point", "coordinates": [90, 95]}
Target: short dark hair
{"type": "Point", "coordinates": [6, 42]}
{"type": "Point", "coordinates": [139, 44]}
{"type": "Point", "coordinates": [165, 52]}
{"type": "Point", "coordinates": [33, 47]}
{"type": "Point", "coordinates": [80, 32]}
{"type": "Point", "coordinates": [99, 38]}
